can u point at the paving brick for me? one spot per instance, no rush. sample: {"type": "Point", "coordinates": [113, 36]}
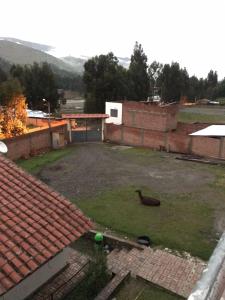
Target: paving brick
{"type": "Point", "coordinates": [164, 269]}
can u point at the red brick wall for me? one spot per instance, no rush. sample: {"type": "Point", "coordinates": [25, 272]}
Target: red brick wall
{"type": "Point", "coordinates": [154, 139]}
{"type": "Point", "coordinates": [178, 142]}
{"type": "Point", "coordinates": [149, 116]}
{"type": "Point", "coordinates": [174, 141]}
{"type": "Point", "coordinates": [113, 133]}
{"type": "Point", "coordinates": [40, 122]}
{"type": "Point", "coordinates": [205, 146]}
{"type": "Point", "coordinates": [187, 128]}
{"type": "Point", "coordinates": [223, 148]}
{"type": "Point", "coordinates": [43, 122]}
{"type": "Point", "coordinates": [32, 143]}
{"type": "Point", "coordinates": [132, 136]}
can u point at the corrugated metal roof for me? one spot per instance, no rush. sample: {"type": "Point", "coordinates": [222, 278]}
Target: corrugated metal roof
{"type": "Point", "coordinates": [213, 130]}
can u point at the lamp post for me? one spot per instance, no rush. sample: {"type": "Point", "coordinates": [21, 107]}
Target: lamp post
{"type": "Point", "coordinates": [49, 108]}
{"type": "Point", "coordinates": [49, 123]}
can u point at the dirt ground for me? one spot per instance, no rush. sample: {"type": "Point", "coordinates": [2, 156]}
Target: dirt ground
{"type": "Point", "coordinates": [93, 168]}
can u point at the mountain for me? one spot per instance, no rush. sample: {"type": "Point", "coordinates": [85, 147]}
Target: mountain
{"type": "Point", "coordinates": [15, 53]}
{"type": "Point", "coordinates": [40, 47]}
{"type": "Point", "coordinates": [75, 62]}
{"type": "Point", "coordinates": [78, 63]}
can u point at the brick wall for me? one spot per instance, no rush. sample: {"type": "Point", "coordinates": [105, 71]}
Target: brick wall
{"type": "Point", "coordinates": [178, 142]}
{"type": "Point", "coordinates": [154, 139]}
{"type": "Point", "coordinates": [149, 116]}
{"type": "Point", "coordinates": [32, 143]}
{"type": "Point", "coordinates": [222, 148]}
{"type": "Point", "coordinates": [205, 146]}
{"type": "Point", "coordinates": [173, 141]}
{"type": "Point", "coordinates": [113, 133]}
{"type": "Point", "coordinates": [43, 122]}
{"type": "Point", "coordinates": [187, 128]}
{"type": "Point", "coordinates": [132, 136]}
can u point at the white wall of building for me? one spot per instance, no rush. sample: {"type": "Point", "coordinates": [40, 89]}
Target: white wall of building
{"type": "Point", "coordinates": [110, 108]}
{"type": "Point", "coordinates": [30, 284]}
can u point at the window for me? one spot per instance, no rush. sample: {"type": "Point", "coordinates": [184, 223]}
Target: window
{"type": "Point", "coordinates": [114, 113]}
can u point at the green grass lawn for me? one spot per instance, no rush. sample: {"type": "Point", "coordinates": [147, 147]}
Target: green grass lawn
{"type": "Point", "coordinates": [182, 222]}
{"type": "Point", "coordinates": [138, 290]}
{"type": "Point", "coordinates": [35, 164]}
{"type": "Point", "coordinates": [188, 117]}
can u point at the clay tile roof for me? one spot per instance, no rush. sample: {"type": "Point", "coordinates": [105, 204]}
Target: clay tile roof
{"type": "Point", "coordinates": [36, 223]}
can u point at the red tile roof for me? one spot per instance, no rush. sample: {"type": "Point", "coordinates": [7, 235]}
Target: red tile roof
{"type": "Point", "coordinates": [84, 116]}
{"type": "Point", "coordinates": [35, 224]}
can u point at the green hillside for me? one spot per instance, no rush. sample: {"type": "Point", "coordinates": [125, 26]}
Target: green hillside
{"type": "Point", "coordinates": [19, 54]}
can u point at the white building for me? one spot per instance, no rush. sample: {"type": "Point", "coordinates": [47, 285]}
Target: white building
{"type": "Point", "coordinates": [115, 111]}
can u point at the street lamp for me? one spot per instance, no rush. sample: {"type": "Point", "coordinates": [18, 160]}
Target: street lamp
{"type": "Point", "coordinates": [48, 104]}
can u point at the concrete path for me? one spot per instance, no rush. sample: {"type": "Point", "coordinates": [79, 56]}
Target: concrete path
{"type": "Point", "coordinates": [176, 274]}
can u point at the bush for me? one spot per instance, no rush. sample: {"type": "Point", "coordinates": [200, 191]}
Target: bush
{"type": "Point", "coordinates": [95, 280]}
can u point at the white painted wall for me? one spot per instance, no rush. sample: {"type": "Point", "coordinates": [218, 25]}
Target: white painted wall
{"type": "Point", "coordinates": [114, 105]}
{"type": "Point", "coordinates": [30, 284]}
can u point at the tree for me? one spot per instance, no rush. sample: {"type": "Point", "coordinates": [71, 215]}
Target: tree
{"type": "Point", "coordinates": [39, 83]}
{"type": "Point", "coordinates": [104, 80]}
{"type": "Point", "coordinates": [211, 84]}
{"type": "Point", "coordinates": [8, 90]}
{"type": "Point", "coordinates": [174, 82]}
{"type": "Point", "coordinates": [138, 75]}
{"type": "Point", "coordinates": [13, 113]}
{"type": "Point", "coordinates": [3, 76]}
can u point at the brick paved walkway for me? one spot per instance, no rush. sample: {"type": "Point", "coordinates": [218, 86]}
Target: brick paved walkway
{"type": "Point", "coordinates": [65, 279]}
{"type": "Point", "coordinates": [166, 270]}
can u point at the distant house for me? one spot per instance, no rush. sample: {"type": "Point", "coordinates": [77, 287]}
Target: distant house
{"type": "Point", "coordinates": [37, 225]}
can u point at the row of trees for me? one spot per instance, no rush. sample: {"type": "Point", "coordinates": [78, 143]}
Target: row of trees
{"type": "Point", "coordinates": [106, 80]}
{"type": "Point", "coordinates": [41, 81]}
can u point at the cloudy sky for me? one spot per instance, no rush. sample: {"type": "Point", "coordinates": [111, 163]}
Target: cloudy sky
{"type": "Point", "coordinates": [188, 31]}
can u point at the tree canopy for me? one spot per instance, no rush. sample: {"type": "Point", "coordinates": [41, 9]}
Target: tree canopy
{"type": "Point", "coordinates": [39, 83]}
{"type": "Point", "coordinates": [105, 80]}
{"type": "Point", "coordinates": [138, 75]}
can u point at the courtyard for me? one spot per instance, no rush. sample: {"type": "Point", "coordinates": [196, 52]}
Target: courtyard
{"type": "Point", "coordinates": [102, 178]}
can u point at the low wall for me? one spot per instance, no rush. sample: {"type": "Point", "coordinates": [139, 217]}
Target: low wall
{"type": "Point", "coordinates": [43, 122]}
{"type": "Point", "coordinates": [34, 142]}
{"type": "Point", "coordinates": [173, 141]}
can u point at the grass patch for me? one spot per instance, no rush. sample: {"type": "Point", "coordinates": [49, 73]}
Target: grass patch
{"type": "Point", "coordinates": [138, 290]}
{"type": "Point", "coordinates": [189, 117]}
{"type": "Point", "coordinates": [144, 155]}
{"type": "Point", "coordinates": [35, 164]}
{"type": "Point", "coordinates": [182, 222]}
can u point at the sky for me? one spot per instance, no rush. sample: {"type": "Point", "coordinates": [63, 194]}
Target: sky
{"type": "Point", "coordinates": [190, 32]}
